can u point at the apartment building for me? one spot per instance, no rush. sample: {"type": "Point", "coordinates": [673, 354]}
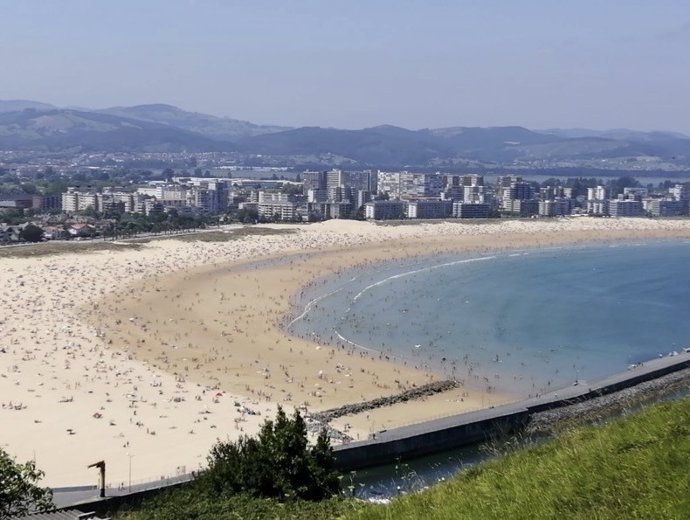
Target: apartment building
{"type": "Point", "coordinates": [405, 184]}
{"type": "Point", "coordinates": [557, 207]}
{"type": "Point", "coordinates": [384, 209]}
{"type": "Point", "coordinates": [666, 207]}
{"type": "Point", "coordinates": [280, 205]}
{"type": "Point", "coordinates": [625, 208]}
{"type": "Point", "coordinates": [471, 210]}
{"type": "Point", "coordinates": [429, 209]}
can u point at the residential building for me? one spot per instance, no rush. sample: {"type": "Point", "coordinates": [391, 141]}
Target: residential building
{"type": "Point", "coordinates": [405, 184]}
{"type": "Point", "coordinates": [471, 210]}
{"type": "Point", "coordinates": [429, 209]}
{"type": "Point", "coordinates": [384, 209]}
{"type": "Point", "coordinates": [597, 201]}
{"type": "Point", "coordinates": [362, 197]}
{"type": "Point", "coordinates": [666, 207]}
{"type": "Point", "coordinates": [312, 180]}
{"type": "Point", "coordinates": [521, 207]}
{"type": "Point", "coordinates": [557, 207]}
{"type": "Point", "coordinates": [277, 205]}
{"type": "Point", "coordinates": [597, 193]}
{"type": "Point", "coordinates": [635, 193]}
{"type": "Point", "coordinates": [625, 208]}
{"type": "Point", "coordinates": [475, 194]}
{"type": "Point", "coordinates": [678, 192]}
{"type": "Point", "coordinates": [598, 207]}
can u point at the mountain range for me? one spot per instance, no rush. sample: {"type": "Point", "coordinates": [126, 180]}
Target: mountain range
{"type": "Point", "coordinates": [30, 125]}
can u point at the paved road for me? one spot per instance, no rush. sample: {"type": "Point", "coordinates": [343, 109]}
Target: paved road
{"type": "Point", "coordinates": [69, 496]}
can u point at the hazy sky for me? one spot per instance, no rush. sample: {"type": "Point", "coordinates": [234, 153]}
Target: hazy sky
{"type": "Point", "coordinates": [358, 63]}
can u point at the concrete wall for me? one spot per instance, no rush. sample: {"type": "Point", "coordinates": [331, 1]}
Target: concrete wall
{"type": "Point", "coordinates": [469, 428]}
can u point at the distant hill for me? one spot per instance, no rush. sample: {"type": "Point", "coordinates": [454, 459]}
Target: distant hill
{"type": "Point", "coordinates": [223, 129]}
{"type": "Point", "coordinates": [491, 144]}
{"type": "Point", "coordinates": [382, 145]}
{"type": "Point", "coordinates": [617, 133]}
{"type": "Point", "coordinates": [31, 125]}
{"type": "Point", "coordinates": [60, 129]}
{"type": "Point", "coordinates": [391, 146]}
{"type": "Point", "coordinates": [12, 105]}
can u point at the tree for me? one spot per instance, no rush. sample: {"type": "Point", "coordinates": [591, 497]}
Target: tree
{"type": "Point", "coordinates": [19, 494]}
{"type": "Point", "coordinates": [278, 463]}
{"type": "Point", "coordinates": [247, 216]}
{"type": "Point", "coordinates": [31, 233]}
{"type": "Point", "coordinates": [29, 188]}
{"type": "Point", "coordinates": [616, 186]}
{"type": "Point", "coordinates": [551, 181]}
{"type": "Point", "coordinates": [291, 189]}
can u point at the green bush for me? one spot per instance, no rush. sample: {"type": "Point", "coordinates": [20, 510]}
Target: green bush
{"type": "Point", "coordinates": [19, 492]}
{"type": "Point", "coordinates": [279, 463]}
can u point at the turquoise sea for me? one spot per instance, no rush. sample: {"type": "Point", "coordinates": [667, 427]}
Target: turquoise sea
{"type": "Point", "coordinates": [522, 322]}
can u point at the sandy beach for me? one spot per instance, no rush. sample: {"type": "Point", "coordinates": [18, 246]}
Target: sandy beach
{"type": "Point", "coordinates": [144, 357]}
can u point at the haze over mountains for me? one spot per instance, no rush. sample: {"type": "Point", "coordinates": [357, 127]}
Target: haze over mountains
{"type": "Point", "coordinates": [29, 125]}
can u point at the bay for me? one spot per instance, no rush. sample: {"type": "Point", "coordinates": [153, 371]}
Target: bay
{"type": "Point", "coordinates": [516, 322]}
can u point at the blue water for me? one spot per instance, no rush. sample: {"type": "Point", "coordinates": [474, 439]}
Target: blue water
{"type": "Point", "coordinates": [520, 322]}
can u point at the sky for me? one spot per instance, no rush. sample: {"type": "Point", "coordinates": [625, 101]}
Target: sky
{"type": "Point", "coordinates": [359, 63]}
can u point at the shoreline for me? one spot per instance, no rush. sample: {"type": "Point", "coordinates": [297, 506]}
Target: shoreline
{"type": "Point", "coordinates": [306, 302]}
{"type": "Point", "coordinates": [473, 397]}
{"type": "Point", "coordinates": [54, 352]}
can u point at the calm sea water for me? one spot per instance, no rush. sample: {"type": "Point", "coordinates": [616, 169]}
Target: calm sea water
{"type": "Point", "coordinates": [521, 322]}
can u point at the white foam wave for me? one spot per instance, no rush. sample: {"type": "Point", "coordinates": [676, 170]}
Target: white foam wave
{"type": "Point", "coordinates": [416, 271]}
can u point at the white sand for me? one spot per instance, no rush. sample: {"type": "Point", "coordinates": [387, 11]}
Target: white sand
{"type": "Point", "coordinates": [68, 399]}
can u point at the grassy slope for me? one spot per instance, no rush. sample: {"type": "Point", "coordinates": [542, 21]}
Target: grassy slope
{"type": "Point", "coordinates": [633, 468]}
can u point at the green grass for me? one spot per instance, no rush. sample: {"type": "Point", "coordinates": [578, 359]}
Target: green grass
{"type": "Point", "coordinates": [638, 467]}
{"type": "Point", "coordinates": [190, 503]}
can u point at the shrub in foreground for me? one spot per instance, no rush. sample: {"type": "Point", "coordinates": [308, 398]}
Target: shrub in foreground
{"type": "Point", "coordinates": [278, 463]}
{"type": "Point", "coordinates": [19, 492]}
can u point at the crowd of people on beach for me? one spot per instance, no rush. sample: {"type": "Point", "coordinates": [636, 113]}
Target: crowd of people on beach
{"type": "Point", "coordinates": [81, 384]}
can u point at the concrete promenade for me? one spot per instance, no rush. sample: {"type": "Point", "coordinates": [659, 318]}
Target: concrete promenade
{"type": "Point", "coordinates": [459, 430]}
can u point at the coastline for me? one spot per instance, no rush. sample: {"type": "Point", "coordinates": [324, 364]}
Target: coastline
{"type": "Point", "coordinates": [54, 353]}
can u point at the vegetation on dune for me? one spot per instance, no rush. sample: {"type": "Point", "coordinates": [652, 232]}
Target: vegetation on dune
{"type": "Point", "coordinates": [63, 248]}
{"type": "Point", "coordinates": [237, 234]}
{"type": "Point", "coordinates": [636, 467]}
{"type": "Point", "coordinates": [91, 246]}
